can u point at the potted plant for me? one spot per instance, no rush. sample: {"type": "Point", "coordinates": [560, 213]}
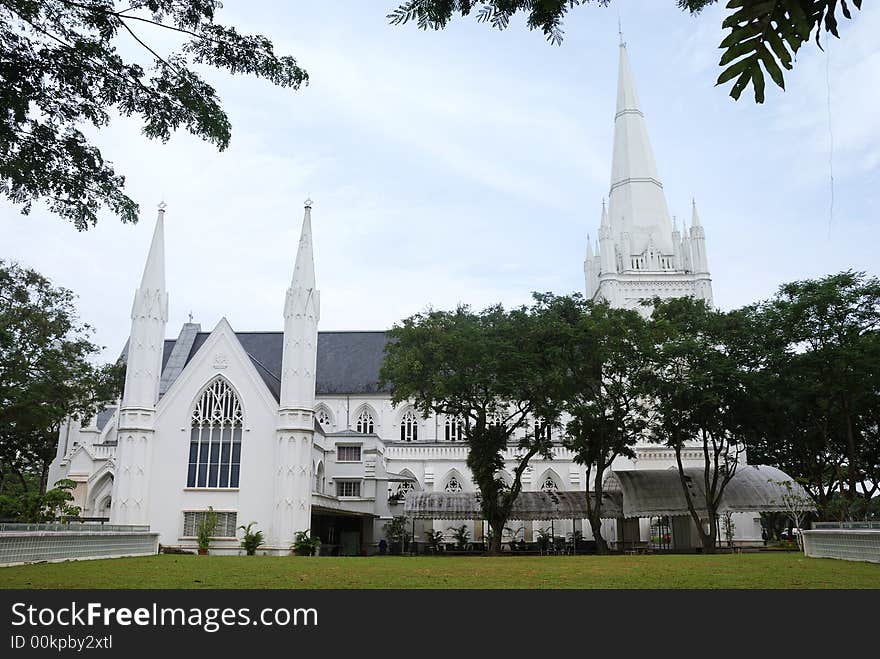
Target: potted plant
{"type": "Point", "coordinates": [544, 540]}
{"type": "Point", "coordinates": [251, 539]}
{"type": "Point", "coordinates": [462, 536]}
{"type": "Point", "coordinates": [304, 544]}
{"type": "Point", "coordinates": [397, 534]}
{"type": "Point", "coordinates": [206, 530]}
{"type": "Point", "coordinates": [434, 539]}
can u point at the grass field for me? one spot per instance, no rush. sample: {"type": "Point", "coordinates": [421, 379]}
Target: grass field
{"type": "Point", "coordinates": [764, 570]}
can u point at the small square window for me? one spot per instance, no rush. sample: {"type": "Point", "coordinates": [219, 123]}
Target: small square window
{"type": "Point", "coordinates": [348, 488]}
{"type": "Point", "coordinates": [348, 454]}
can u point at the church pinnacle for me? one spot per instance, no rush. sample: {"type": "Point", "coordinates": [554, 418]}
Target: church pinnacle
{"type": "Point", "coordinates": [149, 314]}
{"type": "Point", "coordinates": [637, 204]}
{"type": "Point", "coordinates": [302, 309]}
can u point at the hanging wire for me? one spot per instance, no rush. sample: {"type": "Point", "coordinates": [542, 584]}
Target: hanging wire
{"type": "Point", "coordinates": [830, 136]}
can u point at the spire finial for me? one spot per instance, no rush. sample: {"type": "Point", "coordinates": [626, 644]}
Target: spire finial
{"type": "Point", "coordinates": [190, 317]}
{"type": "Point", "coordinates": [620, 30]}
{"type": "Point", "coordinates": [309, 202]}
{"type": "Point", "coordinates": [162, 206]}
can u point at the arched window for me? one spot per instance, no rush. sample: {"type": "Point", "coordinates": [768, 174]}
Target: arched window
{"type": "Point", "coordinates": [549, 485]}
{"type": "Point", "coordinates": [364, 424]}
{"type": "Point", "coordinates": [322, 414]}
{"type": "Point", "coordinates": [493, 419]}
{"type": "Point", "coordinates": [453, 485]}
{"type": "Point", "coordinates": [215, 438]}
{"type": "Point", "coordinates": [409, 427]}
{"type": "Point", "coordinates": [319, 478]}
{"type": "Point", "coordinates": [541, 431]}
{"type": "Point", "coordinates": [454, 429]}
{"type": "Point", "coordinates": [403, 489]}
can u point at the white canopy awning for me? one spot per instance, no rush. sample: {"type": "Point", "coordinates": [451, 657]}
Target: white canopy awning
{"type": "Point", "coordinates": [658, 492]}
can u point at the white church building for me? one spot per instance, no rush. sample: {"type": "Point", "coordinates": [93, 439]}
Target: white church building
{"type": "Point", "coordinates": [291, 430]}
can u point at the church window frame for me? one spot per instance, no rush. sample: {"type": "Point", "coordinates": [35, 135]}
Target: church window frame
{"type": "Point", "coordinates": [349, 453]}
{"type": "Point", "coordinates": [365, 423]}
{"type": "Point", "coordinates": [453, 429]}
{"type": "Point", "coordinates": [409, 427]}
{"type": "Point", "coordinates": [348, 489]}
{"type": "Point", "coordinates": [227, 523]}
{"type": "Point", "coordinates": [453, 485]}
{"type": "Point", "coordinates": [324, 417]}
{"type": "Point", "coordinates": [216, 429]}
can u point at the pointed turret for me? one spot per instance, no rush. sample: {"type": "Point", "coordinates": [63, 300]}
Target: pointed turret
{"type": "Point", "coordinates": [698, 242]}
{"type": "Point", "coordinates": [137, 413]}
{"type": "Point", "coordinates": [637, 204]}
{"type": "Point", "coordinates": [606, 244]}
{"type": "Point", "coordinates": [590, 275]}
{"type": "Point", "coordinates": [149, 314]}
{"type": "Point", "coordinates": [676, 245]}
{"type": "Point", "coordinates": [302, 310]}
{"type": "Point", "coordinates": [296, 406]}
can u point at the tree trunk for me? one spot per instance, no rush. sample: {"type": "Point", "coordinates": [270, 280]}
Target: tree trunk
{"type": "Point", "coordinates": [44, 478]}
{"type": "Point", "coordinates": [851, 456]}
{"type": "Point", "coordinates": [596, 526]}
{"type": "Point", "coordinates": [497, 526]}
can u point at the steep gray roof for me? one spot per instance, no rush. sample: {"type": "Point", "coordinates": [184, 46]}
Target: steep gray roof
{"type": "Point", "coordinates": [104, 416]}
{"type": "Point", "coordinates": [348, 362]}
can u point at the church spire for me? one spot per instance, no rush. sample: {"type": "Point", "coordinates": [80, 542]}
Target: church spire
{"type": "Point", "coordinates": [304, 269]}
{"type": "Point", "coordinates": [301, 314]}
{"type": "Point", "coordinates": [154, 270]}
{"type": "Point", "coordinates": [149, 314]}
{"type": "Point", "coordinates": [637, 204]}
{"type": "Point", "coordinates": [296, 404]}
{"type": "Point", "coordinates": [143, 371]}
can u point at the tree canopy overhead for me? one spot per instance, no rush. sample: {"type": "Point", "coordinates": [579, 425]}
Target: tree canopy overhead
{"type": "Point", "coordinates": [60, 70]}
{"type": "Point", "coordinates": [46, 374]}
{"type": "Point", "coordinates": [764, 35]}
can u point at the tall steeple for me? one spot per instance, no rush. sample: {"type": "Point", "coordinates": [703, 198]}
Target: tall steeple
{"type": "Point", "coordinates": [296, 408]}
{"type": "Point", "coordinates": [146, 342]}
{"type": "Point", "coordinates": [149, 314]}
{"type": "Point", "coordinates": [302, 310]}
{"type": "Point", "coordinates": [641, 254]}
{"type": "Point", "coordinates": [637, 204]}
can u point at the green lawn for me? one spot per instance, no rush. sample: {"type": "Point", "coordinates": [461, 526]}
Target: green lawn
{"type": "Point", "coordinates": [763, 570]}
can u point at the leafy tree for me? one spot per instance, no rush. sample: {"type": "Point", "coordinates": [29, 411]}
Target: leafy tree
{"type": "Point", "coordinates": [605, 402]}
{"type": "Point", "coordinates": [60, 70]}
{"type": "Point", "coordinates": [823, 337]}
{"type": "Point", "coordinates": [702, 389]}
{"type": "Point", "coordinates": [765, 33]}
{"type": "Point", "coordinates": [46, 374]}
{"type": "Point", "coordinates": [33, 506]}
{"type": "Point", "coordinates": [497, 371]}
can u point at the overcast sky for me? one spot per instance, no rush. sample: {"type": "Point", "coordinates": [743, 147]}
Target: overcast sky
{"type": "Point", "coordinates": [469, 165]}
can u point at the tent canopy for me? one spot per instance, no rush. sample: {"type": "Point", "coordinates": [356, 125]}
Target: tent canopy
{"type": "Point", "coordinates": [658, 492]}
{"type": "Point", "coordinates": [528, 505]}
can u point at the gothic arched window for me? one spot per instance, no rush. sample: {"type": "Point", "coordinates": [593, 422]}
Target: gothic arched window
{"type": "Point", "coordinates": [453, 485]}
{"type": "Point", "coordinates": [322, 414]}
{"type": "Point", "coordinates": [409, 427]}
{"type": "Point", "coordinates": [364, 423]}
{"type": "Point", "coordinates": [549, 485]}
{"type": "Point", "coordinates": [454, 429]}
{"type": "Point", "coordinates": [215, 438]}
{"type": "Point", "coordinates": [541, 431]}
{"type": "Point", "coordinates": [403, 489]}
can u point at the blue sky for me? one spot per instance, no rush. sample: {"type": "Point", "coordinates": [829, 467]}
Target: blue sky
{"type": "Point", "coordinates": [469, 165]}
